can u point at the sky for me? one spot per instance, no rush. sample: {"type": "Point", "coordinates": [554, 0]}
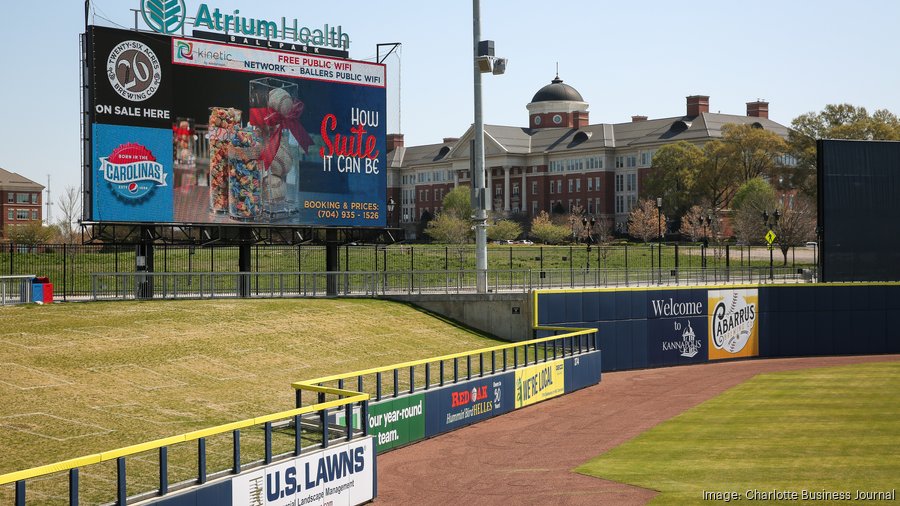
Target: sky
{"type": "Point", "coordinates": [626, 58]}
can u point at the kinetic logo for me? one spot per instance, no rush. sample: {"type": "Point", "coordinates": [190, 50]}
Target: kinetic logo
{"type": "Point", "coordinates": [132, 171]}
{"type": "Point", "coordinates": [164, 16]}
{"type": "Point", "coordinates": [185, 50]}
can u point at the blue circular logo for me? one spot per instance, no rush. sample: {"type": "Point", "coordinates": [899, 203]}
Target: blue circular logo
{"type": "Point", "coordinates": [164, 16]}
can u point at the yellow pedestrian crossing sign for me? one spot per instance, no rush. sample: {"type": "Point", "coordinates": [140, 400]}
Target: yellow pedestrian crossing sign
{"type": "Point", "coordinates": [770, 237]}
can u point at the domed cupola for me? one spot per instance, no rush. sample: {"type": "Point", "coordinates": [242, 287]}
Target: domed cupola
{"type": "Point", "coordinates": [557, 105]}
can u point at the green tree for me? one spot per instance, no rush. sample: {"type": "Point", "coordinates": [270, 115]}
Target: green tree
{"type": "Point", "coordinates": [835, 121]}
{"type": "Point", "coordinates": [446, 228]}
{"type": "Point", "coordinates": [504, 230]}
{"type": "Point", "coordinates": [751, 200]}
{"type": "Point", "coordinates": [31, 233]}
{"type": "Point", "coordinates": [755, 151]}
{"type": "Point", "coordinates": [458, 203]}
{"type": "Point", "coordinates": [546, 231]}
{"type": "Point", "coordinates": [676, 169]}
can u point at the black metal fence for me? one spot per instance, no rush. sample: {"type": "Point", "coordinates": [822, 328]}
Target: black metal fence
{"type": "Point", "coordinates": [70, 267]}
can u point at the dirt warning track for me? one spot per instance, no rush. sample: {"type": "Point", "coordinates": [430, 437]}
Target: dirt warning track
{"type": "Point", "coordinates": [526, 457]}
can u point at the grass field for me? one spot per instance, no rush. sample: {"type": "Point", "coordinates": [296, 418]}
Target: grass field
{"type": "Point", "coordinates": [77, 379]}
{"type": "Point", "coordinates": [833, 429]}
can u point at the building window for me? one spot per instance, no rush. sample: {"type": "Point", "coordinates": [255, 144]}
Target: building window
{"type": "Point", "coordinates": [620, 204]}
{"type": "Point", "coordinates": [570, 205]}
{"type": "Point", "coordinates": [632, 202]}
{"type": "Point", "coordinates": [21, 214]}
{"type": "Point", "coordinates": [590, 184]}
{"type": "Point", "coordinates": [552, 188]}
{"type": "Point", "coordinates": [647, 158]}
{"type": "Point", "coordinates": [631, 161]}
{"type": "Point", "coordinates": [620, 182]}
{"type": "Point", "coordinates": [34, 198]}
{"type": "Point", "coordinates": [570, 185]}
{"type": "Point", "coordinates": [559, 186]}
{"type": "Point", "coordinates": [10, 215]}
{"type": "Point", "coordinates": [578, 185]}
{"type": "Point", "coordinates": [620, 162]}
{"type": "Point", "coordinates": [595, 162]}
{"type": "Point", "coordinates": [515, 189]}
{"type": "Point", "coordinates": [590, 206]}
{"type": "Point", "coordinates": [632, 183]}
{"type": "Point", "coordinates": [498, 191]}
{"type": "Point", "coordinates": [10, 197]}
{"type": "Point", "coordinates": [23, 198]}
{"type": "Point", "coordinates": [597, 205]}
{"type": "Point", "coordinates": [34, 215]}
{"type": "Point", "coordinates": [534, 187]}
{"type": "Point", "coordinates": [597, 183]}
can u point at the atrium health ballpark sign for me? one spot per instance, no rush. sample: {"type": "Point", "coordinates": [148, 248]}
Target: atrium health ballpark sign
{"type": "Point", "coordinates": [343, 475]}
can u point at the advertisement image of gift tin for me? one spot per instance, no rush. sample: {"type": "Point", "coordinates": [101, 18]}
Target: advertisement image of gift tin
{"type": "Point", "coordinates": [133, 170]}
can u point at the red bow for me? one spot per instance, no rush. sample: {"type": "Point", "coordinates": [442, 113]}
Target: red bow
{"type": "Point", "coordinates": [270, 119]}
{"type": "Point", "coordinates": [181, 131]}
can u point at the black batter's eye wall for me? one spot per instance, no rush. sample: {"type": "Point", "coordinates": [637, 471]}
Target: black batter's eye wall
{"type": "Point", "coordinates": [859, 210]}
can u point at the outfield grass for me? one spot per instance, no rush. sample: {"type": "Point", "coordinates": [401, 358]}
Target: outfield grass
{"type": "Point", "coordinates": [77, 379]}
{"type": "Point", "coordinates": [834, 429]}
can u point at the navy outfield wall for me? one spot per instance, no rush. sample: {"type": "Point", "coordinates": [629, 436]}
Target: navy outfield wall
{"type": "Point", "coordinates": [641, 328]}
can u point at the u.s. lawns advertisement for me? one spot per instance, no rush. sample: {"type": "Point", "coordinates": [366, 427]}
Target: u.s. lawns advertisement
{"type": "Point", "coordinates": [196, 131]}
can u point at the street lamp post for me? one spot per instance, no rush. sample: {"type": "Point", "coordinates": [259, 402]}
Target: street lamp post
{"type": "Point", "coordinates": [704, 222]}
{"type": "Point", "coordinates": [774, 221]}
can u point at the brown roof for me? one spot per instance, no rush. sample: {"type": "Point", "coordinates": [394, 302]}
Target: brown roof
{"type": "Point", "coordinates": [12, 181]}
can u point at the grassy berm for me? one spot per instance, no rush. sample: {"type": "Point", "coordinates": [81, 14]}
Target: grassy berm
{"type": "Point", "coordinates": [77, 379]}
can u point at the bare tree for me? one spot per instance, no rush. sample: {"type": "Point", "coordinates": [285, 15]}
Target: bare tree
{"type": "Point", "coordinates": [70, 209]}
{"type": "Point", "coordinates": [796, 225]}
{"type": "Point", "coordinates": [644, 220]}
{"type": "Point", "coordinates": [691, 225]}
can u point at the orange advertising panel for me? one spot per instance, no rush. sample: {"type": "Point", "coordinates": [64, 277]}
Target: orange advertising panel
{"type": "Point", "coordinates": [733, 323]}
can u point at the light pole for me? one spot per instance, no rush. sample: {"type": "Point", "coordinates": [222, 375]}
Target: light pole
{"type": "Point", "coordinates": [774, 219]}
{"type": "Point", "coordinates": [483, 62]}
{"type": "Point", "coordinates": [390, 209]}
{"type": "Point", "coordinates": [704, 222]}
{"type": "Point", "coordinates": [659, 235]}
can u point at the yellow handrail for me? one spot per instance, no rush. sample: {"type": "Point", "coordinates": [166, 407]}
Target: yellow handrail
{"type": "Point", "coordinates": [351, 397]}
{"type": "Point", "coordinates": [302, 385]}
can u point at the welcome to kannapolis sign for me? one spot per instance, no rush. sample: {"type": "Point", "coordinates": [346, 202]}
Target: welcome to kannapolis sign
{"type": "Point", "coordinates": [170, 16]}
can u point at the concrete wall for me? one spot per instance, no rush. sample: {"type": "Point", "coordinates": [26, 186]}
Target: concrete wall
{"type": "Point", "coordinates": [506, 316]}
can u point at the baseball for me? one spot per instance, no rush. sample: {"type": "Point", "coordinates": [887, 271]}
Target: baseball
{"type": "Point", "coordinates": [281, 101]}
{"type": "Point", "coordinates": [282, 162]}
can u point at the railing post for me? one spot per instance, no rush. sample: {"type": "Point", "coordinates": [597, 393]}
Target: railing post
{"type": "Point", "coordinates": [348, 419]}
{"type": "Point", "coordinates": [468, 367]}
{"type": "Point", "coordinates": [201, 460]}
{"type": "Point", "coordinates": [455, 369]}
{"type": "Point", "coordinates": [73, 486]}
{"type": "Point", "coordinates": [298, 432]}
{"type": "Point", "coordinates": [20, 485]}
{"type": "Point", "coordinates": [378, 386]}
{"type": "Point", "coordinates": [121, 489]}
{"type": "Point", "coordinates": [164, 470]}
{"type": "Point", "coordinates": [442, 373]}
{"type": "Point", "coordinates": [396, 382]}
{"type": "Point", "coordinates": [427, 375]}
{"type": "Point", "coordinates": [412, 379]}
{"type": "Point", "coordinates": [236, 451]}
{"type": "Point", "coordinates": [267, 458]}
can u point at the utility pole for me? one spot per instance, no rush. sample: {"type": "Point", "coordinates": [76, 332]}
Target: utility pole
{"type": "Point", "coordinates": [48, 203]}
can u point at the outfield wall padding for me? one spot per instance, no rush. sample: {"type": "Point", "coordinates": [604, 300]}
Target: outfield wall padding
{"type": "Point", "coordinates": [674, 326]}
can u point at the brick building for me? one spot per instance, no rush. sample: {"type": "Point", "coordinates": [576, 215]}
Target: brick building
{"type": "Point", "coordinates": [20, 201]}
{"type": "Point", "coordinates": [559, 159]}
